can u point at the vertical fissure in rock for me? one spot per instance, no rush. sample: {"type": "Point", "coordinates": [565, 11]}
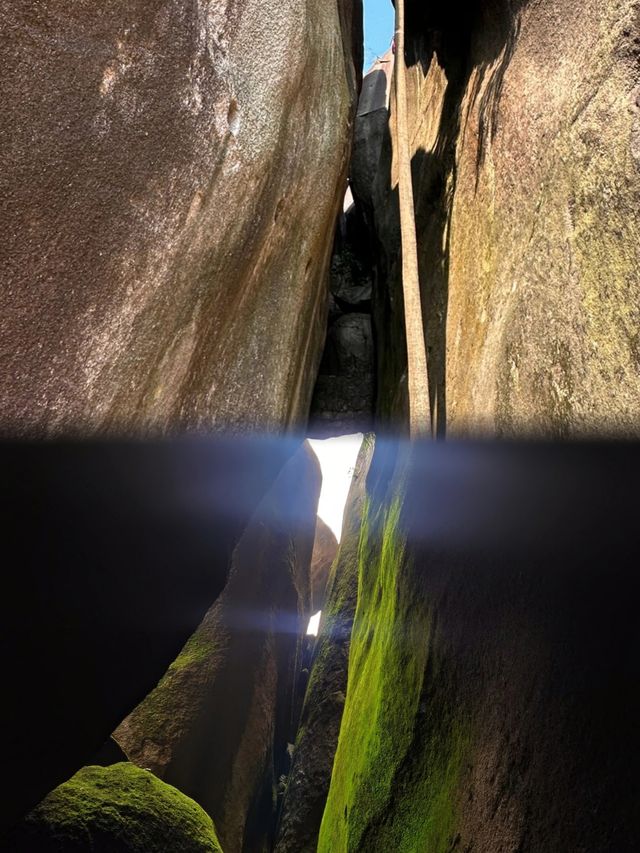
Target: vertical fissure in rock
{"type": "Point", "coordinates": [344, 393]}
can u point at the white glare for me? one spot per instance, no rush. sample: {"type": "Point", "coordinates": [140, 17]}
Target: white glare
{"type": "Point", "coordinates": [314, 623]}
{"type": "Point", "coordinates": [337, 457]}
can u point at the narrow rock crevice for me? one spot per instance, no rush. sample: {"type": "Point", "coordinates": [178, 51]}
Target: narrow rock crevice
{"type": "Point", "coordinates": [344, 393]}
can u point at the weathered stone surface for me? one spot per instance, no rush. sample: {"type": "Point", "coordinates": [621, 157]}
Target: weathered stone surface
{"type": "Point", "coordinates": [113, 553]}
{"type": "Point", "coordinates": [493, 700]}
{"type": "Point", "coordinates": [159, 162]}
{"type": "Point", "coordinates": [117, 809]}
{"type": "Point", "coordinates": [350, 281]}
{"type": "Point", "coordinates": [325, 548]}
{"type": "Point", "coordinates": [218, 724]}
{"type": "Point", "coordinates": [525, 127]}
{"type": "Point", "coordinates": [349, 349]}
{"type": "Point", "coordinates": [317, 738]}
{"type": "Point", "coordinates": [343, 397]}
{"type": "Point", "coordinates": [371, 128]}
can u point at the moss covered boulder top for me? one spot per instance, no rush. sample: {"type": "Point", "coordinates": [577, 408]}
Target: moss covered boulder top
{"type": "Point", "coordinates": [117, 809]}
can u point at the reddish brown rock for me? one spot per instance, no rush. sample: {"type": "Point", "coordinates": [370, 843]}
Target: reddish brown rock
{"type": "Point", "coordinates": [159, 161]}
{"type": "Point", "coordinates": [325, 548]}
{"type": "Point", "coordinates": [218, 724]}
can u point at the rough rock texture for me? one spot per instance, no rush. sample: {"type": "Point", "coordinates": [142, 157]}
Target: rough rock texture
{"type": "Point", "coordinates": [117, 809]}
{"type": "Point", "coordinates": [371, 129]}
{"type": "Point", "coordinates": [493, 699]}
{"type": "Point", "coordinates": [325, 548]}
{"type": "Point", "coordinates": [525, 127]}
{"type": "Point", "coordinates": [343, 398]}
{"type": "Point", "coordinates": [112, 555]}
{"type": "Point", "coordinates": [218, 724]}
{"type": "Point", "coordinates": [159, 162]}
{"type": "Point", "coordinates": [317, 738]}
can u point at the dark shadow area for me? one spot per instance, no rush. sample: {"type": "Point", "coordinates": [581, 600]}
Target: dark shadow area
{"type": "Point", "coordinates": [343, 398]}
{"type": "Point", "coordinates": [526, 552]}
{"type": "Point", "coordinates": [112, 554]}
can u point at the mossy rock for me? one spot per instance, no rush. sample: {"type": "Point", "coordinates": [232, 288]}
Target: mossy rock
{"type": "Point", "coordinates": [397, 769]}
{"type": "Point", "coordinates": [117, 809]}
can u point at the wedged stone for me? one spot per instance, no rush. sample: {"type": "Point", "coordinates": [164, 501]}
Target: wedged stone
{"type": "Point", "coordinates": [343, 398]}
{"type": "Point", "coordinates": [349, 348]}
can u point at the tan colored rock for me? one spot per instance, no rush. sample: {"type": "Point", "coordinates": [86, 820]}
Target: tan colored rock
{"type": "Point", "coordinates": [526, 132]}
{"type": "Point", "coordinates": [218, 724]}
{"type": "Point", "coordinates": [325, 548]}
{"type": "Point", "coordinates": [171, 177]}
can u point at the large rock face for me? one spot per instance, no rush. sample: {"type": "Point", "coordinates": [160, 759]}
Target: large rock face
{"type": "Point", "coordinates": [160, 160]}
{"type": "Point", "coordinates": [317, 739]}
{"type": "Point", "coordinates": [117, 809]}
{"type": "Point", "coordinates": [525, 131]}
{"type": "Point", "coordinates": [493, 700]}
{"type": "Point", "coordinates": [218, 724]}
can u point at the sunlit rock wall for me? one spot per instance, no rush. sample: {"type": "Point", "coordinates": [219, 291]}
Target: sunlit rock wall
{"type": "Point", "coordinates": [525, 133]}
{"type": "Point", "coordinates": [171, 175]}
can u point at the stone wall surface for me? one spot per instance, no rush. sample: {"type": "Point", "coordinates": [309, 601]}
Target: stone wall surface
{"type": "Point", "coordinates": [325, 548]}
{"type": "Point", "coordinates": [218, 723]}
{"type": "Point", "coordinates": [525, 129]}
{"type": "Point", "coordinates": [492, 697]}
{"type": "Point", "coordinates": [317, 738]}
{"type": "Point", "coordinates": [171, 176]}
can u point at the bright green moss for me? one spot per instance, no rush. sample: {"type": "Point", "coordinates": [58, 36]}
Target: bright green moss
{"type": "Point", "coordinates": [397, 767]}
{"type": "Point", "coordinates": [199, 648]}
{"type": "Point", "coordinates": [165, 708]}
{"type": "Point", "coordinates": [117, 809]}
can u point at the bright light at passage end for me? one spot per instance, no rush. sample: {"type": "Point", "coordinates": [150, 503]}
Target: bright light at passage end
{"type": "Point", "coordinates": [337, 457]}
{"type": "Point", "coordinates": [314, 623]}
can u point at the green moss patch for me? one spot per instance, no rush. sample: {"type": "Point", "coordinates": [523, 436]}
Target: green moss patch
{"type": "Point", "coordinates": [397, 770]}
{"type": "Point", "coordinates": [117, 809]}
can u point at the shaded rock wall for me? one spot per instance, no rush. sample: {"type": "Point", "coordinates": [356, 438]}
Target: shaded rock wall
{"type": "Point", "coordinates": [317, 738]}
{"type": "Point", "coordinates": [159, 162]}
{"type": "Point", "coordinates": [218, 724]}
{"type": "Point", "coordinates": [524, 127]}
{"type": "Point", "coordinates": [113, 554]}
{"type": "Point", "coordinates": [325, 548]}
{"type": "Point", "coordinates": [493, 698]}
